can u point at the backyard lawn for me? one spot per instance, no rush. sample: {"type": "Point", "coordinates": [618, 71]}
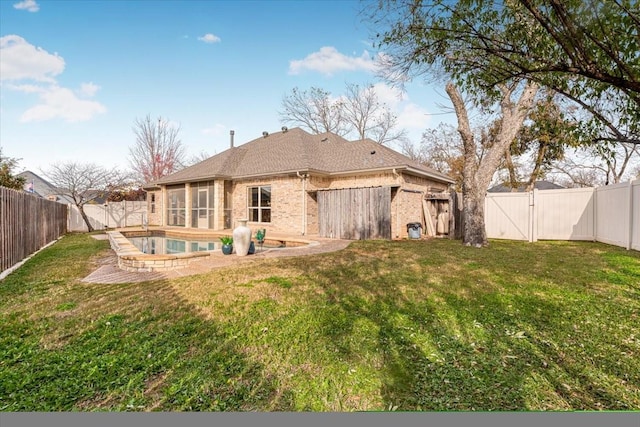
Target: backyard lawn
{"type": "Point", "coordinates": [379, 326]}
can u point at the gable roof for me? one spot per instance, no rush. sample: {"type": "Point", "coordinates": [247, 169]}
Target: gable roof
{"type": "Point", "coordinates": [538, 185]}
{"type": "Point", "coordinates": [39, 186]}
{"type": "Point", "coordinates": [294, 151]}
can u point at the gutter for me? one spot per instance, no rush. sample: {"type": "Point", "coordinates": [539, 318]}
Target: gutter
{"type": "Point", "coordinates": [438, 176]}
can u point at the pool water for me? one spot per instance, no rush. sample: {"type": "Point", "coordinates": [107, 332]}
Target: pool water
{"type": "Point", "coordinates": [163, 245]}
{"type": "Point", "coordinates": [171, 245]}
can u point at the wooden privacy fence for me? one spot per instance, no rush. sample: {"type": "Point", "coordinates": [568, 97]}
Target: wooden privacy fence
{"type": "Point", "coordinates": [355, 213]}
{"type": "Point", "coordinates": [608, 214]}
{"type": "Point", "coordinates": [27, 223]}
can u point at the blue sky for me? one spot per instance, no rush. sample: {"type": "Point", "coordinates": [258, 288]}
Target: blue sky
{"type": "Point", "coordinates": [75, 75]}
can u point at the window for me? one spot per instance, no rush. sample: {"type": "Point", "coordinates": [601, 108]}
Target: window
{"type": "Point", "coordinates": [260, 204]}
{"type": "Point", "coordinates": [153, 202]}
{"type": "Point", "coordinates": [176, 206]}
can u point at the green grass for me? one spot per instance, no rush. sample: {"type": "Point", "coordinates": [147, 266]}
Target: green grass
{"type": "Point", "coordinates": [406, 325]}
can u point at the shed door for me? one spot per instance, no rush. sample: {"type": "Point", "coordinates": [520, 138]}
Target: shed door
{"type": "Point", "coordinates": [355, 213]}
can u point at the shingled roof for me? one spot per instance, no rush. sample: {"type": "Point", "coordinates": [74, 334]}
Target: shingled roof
{"type": "Point", "coordinates": [295, 150]}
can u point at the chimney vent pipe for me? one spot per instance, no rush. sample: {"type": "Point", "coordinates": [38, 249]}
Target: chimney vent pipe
{"type": "Point", "coordinates": [231, 133]}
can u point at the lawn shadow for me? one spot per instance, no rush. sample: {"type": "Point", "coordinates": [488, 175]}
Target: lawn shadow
{"type": "Point", "coordinates": [127, 347]}
{"type": "Point", "coordinates": [466, 341]}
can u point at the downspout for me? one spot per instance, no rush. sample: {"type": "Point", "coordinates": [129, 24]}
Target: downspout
{"type": "Point", "coordinates": [304, 201]}
{"type": "Point", "coordinates": [396, 175]}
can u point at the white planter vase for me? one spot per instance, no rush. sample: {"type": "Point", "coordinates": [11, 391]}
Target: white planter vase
{"type": "Point", "coordinates": [242, 238]}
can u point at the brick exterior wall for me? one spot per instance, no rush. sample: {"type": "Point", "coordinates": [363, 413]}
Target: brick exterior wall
{"type": "Point", "coordinates": [154, 214]}
{"type": "Point", "coordinates": [290, 194]}
{"type": "Point", "coordinates": [286, 204]}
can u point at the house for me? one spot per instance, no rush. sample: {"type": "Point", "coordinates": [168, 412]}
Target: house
{"type": "Point", "coordinates": [538, 185]}
{"type": "Point", "coordinates": [298, 183]}
{"type": "Point", "coordinates": [39, 186]}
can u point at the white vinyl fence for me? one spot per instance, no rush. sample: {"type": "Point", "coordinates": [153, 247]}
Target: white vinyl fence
{"type": "Point", "coordinates": [111, 215]}
{"type": "Point", "coordinates": [608, 214]}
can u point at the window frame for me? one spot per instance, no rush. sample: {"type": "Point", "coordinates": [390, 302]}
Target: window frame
{"type": "Point", "coordinates": [262, 206]}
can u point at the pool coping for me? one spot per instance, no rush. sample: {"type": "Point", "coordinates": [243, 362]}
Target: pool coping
{"type": "Point", "coordinates": [131, 259]}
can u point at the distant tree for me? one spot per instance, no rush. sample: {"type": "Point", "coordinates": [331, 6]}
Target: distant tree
{"type": "Point", "coordinates": [313, 110]}
{"type": "Point", "coordinates": [157, 151]}
{"type": "Point", "coordinates": [197, 158]}
{"type": "Point", "coordinates": [542, 141]}
{"type": "Point", "coordinates": [83, 182]}
{"type": "Point", "coordinates": [599, 165]}
{"type": "Point", "coordinates": [368, 117]}
{"type": "Point", "coordinates": [358, 113]}
{"type": "Point", "coordinates": [7, 177]}
{"type": "Point", "coordinates": [441, 149]}
{"type": "Point", "coordinates": [127, 194]}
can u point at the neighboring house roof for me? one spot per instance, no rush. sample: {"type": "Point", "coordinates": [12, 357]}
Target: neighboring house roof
{"type": "Point", "coordinates": [295, 150]}
{"type": "Point", "coordinates": [538, 185]}
{"type": "Point", "coordinates": [39, 186]}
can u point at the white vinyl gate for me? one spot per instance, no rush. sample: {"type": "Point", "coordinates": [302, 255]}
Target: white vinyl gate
{"type": "Point", "coordinates": [608, 214]}
{"type": "Point", "coordinates": [111, 215]}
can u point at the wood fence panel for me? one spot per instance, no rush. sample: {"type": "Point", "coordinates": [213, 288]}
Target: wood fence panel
{"type": "Point", "coordinates": [355, 213]}
{"type": "Point", "coordinates": [27, 223]}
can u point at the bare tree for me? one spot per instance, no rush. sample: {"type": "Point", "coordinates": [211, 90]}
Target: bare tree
{"type": "Point", "coordinates": [368, 117]}
{"type": "Point", "coordinates": [197, 158]}
{"type": "Point", "coordinates": [441, 149]}
{"type": "Point", "coordinates": [477, 175]}
{"type": "Point", "coordinates": [83, 182]}
{"type": "Point", "coordinates": [313, 110]}
{"type": "Point", "coordinates": [599, 165]}
{"type": "Point", "coordinates": [358, 113]}
{"type": "Point", "coordinates": [158, 151]}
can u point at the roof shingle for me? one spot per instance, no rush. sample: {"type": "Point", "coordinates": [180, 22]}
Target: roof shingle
{"type": "Point", "coordinates": [296, 150]}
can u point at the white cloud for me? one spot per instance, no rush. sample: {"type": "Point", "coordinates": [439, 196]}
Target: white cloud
{"type": "Point", "coordinates": [388, 94]}
{"type": "Point", "coordinates": [413, 116]}
{"type": "Point", "coordinates": [26, 88]}
{"type": "Point", "coordinates": [410, 115]}
{"type": "Point", "coordinates": [328, 61]}
{"type": "Point", "coordinates": [61, 103]}
{"type": "Point", "coordinates": [209, 38]}
{"type": "Point", "coordinates": [21, 60]}
{"type": "Point", "coordinates": [29, 5]}
{"type": "Point", "coordinates": [89, 89]}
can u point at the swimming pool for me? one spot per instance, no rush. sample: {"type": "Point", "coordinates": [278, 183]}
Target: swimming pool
{"type": "Point", "coordinates": [143, 251]}
{"type": "Point", "coordinates": [167, 245]}
{"type": "Point", "coordinates": [170, 245]}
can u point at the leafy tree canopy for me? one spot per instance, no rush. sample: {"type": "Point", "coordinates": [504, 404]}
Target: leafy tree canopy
{"type": "Point", "coordinates": [586, 50]}
{"type": "Point", "coordinates": [7, 177]}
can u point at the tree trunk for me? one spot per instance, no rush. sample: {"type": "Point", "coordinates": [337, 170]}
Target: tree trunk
{"type": "Point", "coordinates": [474, 231]}
{"type": "Point", "coordinates": [542, 150]}
{"type": "Point", "coordinates": [477, 175]}
{"type": "Point", "coordinates": [85, 217]}
{"type": "Point", "coordinates": [513, 179]}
